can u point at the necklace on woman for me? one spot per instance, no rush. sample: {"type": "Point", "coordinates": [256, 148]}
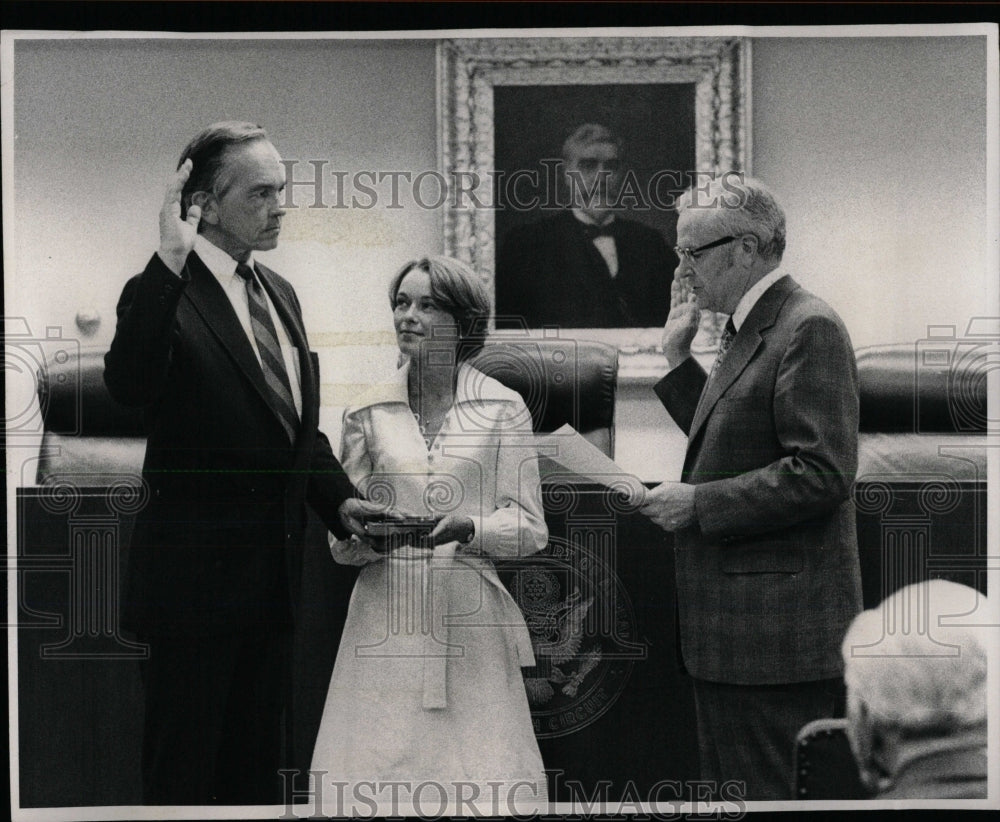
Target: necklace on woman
{"type": "Point", "coordinates": [429, 412]}
{"type": "Point", "coordinates": [429, 427]}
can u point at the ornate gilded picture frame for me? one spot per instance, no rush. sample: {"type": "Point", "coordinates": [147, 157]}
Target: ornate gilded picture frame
{"type": "Point", "coordinates": [473, 72]}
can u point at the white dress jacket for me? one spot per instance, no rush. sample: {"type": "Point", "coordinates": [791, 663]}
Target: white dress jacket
{"type": "Point", "coordinates": [427, 684]}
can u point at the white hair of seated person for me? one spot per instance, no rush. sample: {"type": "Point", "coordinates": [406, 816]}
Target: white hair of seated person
{"type": "Point", "coordinates": [915, 668]}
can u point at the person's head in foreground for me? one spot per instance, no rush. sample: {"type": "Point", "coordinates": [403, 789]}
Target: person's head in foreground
{"type": "Point", "coordinates": [915, 670]}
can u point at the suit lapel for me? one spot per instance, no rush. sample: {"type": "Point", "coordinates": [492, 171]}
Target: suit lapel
{"type": "Point", "coordinates": [288, 313]}
{"type": "Point", "coordinates": [761, 317]}
{"type": "Point", "coordinates": [212, 304]}
{"type": "Point", "coordinates": [292, 320]}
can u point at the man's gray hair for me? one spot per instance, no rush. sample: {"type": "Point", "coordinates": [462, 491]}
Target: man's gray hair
{"type": "Point", "coordinates": [207, 152]}
{"type": "Point", "coordinates": [587, 135]}
{"type": "Point", "coordinates": [917, 661]}
{"type": "Point", "coordinates": [742, 205]}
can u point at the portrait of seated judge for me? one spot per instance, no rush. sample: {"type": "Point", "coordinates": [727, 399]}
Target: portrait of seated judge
{"type": "Point", "coordinates": [585, 264]}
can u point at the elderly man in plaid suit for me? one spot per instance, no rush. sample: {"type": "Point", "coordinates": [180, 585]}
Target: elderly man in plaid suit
{"type": "Point", "coordinates": [768, 577]}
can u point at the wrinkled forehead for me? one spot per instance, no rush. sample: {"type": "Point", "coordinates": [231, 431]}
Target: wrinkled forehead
{"type": "Point", "coordinates": [256, 162]}
{"type": "Point", "coordinates": [597, 150]}
{"type": "Point", "coordinates": [695, 223]}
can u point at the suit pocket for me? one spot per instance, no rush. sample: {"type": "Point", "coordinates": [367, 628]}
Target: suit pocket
{"type": "Point", "coordinates": [776, 559]}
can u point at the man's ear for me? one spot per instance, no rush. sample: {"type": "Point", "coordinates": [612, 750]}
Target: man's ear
{"type": "Point", "coordinates": [209, 207]}
{"type": "Point", "coordinates": [871, 748]}
{"type": "Point", "coordinates": [749, 243]}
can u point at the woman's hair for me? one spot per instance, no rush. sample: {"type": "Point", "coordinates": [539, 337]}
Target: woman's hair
{"type": "Point", "coordinates": [457, 290]}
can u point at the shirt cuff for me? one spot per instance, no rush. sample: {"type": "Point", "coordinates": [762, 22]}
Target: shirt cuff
{"type": "Point", "coordinates": [178, 274]}
{"type": "Point", "coordinates": [673, 366]}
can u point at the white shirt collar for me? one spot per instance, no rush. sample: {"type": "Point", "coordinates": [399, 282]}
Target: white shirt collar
{"type": "Point", "coordinates": [755, 292]}
{"type": "Point", "coordinates": [588, 220]}
{"type": "Point", "coordinates": [216, 260]}
{"type": "Point", "coordinates": [471, 385]}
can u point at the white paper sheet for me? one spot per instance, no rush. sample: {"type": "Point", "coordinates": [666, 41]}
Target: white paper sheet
{"type": "Point", "coordinates": [567, 455]}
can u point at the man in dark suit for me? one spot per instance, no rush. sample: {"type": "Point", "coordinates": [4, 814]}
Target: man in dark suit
{"type": "Point", "coordinates": [585, 267]}
{"type": "Point", "coordinates": [212, 346]}
{"type": "Point", "coordinates": [768, 577]}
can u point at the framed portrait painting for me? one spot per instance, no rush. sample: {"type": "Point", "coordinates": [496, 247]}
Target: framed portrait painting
{"type": "Point", "coordinates": [519, 119]}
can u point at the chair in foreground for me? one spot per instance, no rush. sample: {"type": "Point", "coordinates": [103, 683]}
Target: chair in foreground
{"type": "Point", "coordinates": [824, 765]}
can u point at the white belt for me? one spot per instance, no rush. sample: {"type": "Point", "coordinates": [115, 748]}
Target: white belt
{"type": "Point", "coordinates": [437, 649]}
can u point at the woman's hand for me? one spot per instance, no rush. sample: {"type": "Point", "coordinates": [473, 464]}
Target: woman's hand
{"type": "Point", "coordinates": [353, 551]}
{"type": "Point", "coordinates": [452, 528]}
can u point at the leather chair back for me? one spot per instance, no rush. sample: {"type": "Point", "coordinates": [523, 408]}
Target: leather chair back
{"type": "Point", "coordinates": [87, 434]}
{"type": "Point", "coordinates": [824, 765]}
{"type": "Point", "coordinates": [561, 381]}
{"type": "Point", "coordinates": [921, 388]}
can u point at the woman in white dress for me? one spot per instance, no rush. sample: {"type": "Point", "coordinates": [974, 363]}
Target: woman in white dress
{"type": "Point", "coordinates": [427, 709]}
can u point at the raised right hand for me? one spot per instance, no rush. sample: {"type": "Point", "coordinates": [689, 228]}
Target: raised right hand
{"type": "Point", "coordinates": [177, 236]}
{"type": "Point", "coordinates": [681, 326]}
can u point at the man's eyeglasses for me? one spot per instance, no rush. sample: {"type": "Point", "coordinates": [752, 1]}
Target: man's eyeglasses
{"type": "Point", "coordinates": [691, 254]}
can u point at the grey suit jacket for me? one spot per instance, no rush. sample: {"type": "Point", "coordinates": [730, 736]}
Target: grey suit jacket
{"type": "Point", "coordinates": [769, 579]}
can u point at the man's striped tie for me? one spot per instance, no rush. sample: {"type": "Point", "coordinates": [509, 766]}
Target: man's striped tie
{"type": "Point", "coordinates": [272, 363]}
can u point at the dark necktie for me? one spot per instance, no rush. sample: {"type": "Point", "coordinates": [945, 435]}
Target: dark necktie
{"type": "Point", "coordinates": [592, 232]}
{"type": "Point", "coordinates": [272, 363]}
{"type": "Point", "coordinates": [725, 340]}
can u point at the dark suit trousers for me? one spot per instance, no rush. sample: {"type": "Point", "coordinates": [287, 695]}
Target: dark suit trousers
{"type": "Point", "coordinates": [213, 730]}
{"type": "Point", "coordinates": [746, 733]}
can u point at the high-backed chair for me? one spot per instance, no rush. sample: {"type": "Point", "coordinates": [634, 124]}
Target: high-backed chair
{"type": "Point", "coordinates": [87, 435]}
{"type": "Point", "coordinates": [824, 765]}
{"type": "Point", "coordinates": [903, 391]}
{"type": "Point", "coordinates": [561, 381]}
{"type": "Point", "coordinates": [923, 388]}
{"type": "Point", "coordinates": [921, 481]}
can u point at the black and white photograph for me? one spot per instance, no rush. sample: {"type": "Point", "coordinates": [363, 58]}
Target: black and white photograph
{"type": "Point", "coordinates": [547, 272]}
{"type": "Point", "coordinates": [501, 421]}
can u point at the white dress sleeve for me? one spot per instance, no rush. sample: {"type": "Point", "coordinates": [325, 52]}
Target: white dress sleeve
{"type": "Point", "coordinates": [354, 455]}
{"type": "Point", "coordinates": [356, 461]}
{"type": "Point", "coordinates": [517, 525]}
